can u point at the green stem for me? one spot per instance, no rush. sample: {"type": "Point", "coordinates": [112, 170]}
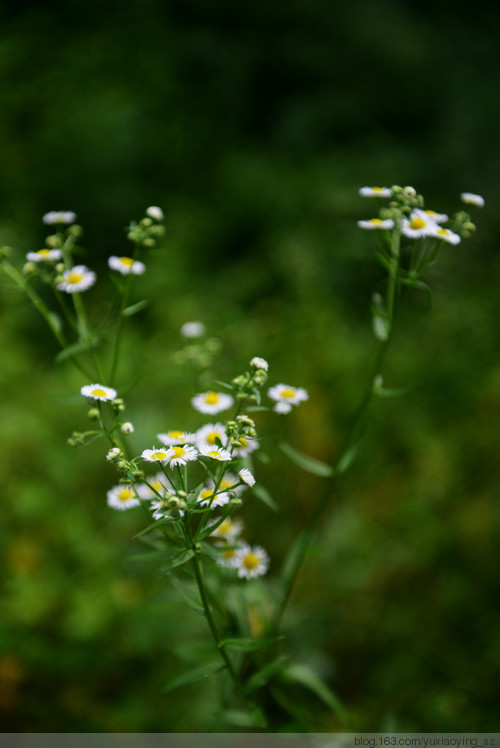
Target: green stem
{"type": "Point", "coordinates": [42, 308]}
{"type": "Point", "coordinates": [198, 573]}
{"type": "Point", "coordinates": [352, 432]}
{"type": "Point", "coordinates": [118, 338]}
{"type": "Point", "coordinates": [84, 332]}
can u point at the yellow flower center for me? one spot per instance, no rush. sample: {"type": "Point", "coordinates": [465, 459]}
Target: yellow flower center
{"type": "Point", "coordinates": [251, 561]}
{"type": "Point", "coordinates": [375, 220]}
{"type": "Point", "coordinates": [179, 451]}
{"type": "Point", "coordinates": [74, 277]}
{"type": "Point", "coordinates": [125, 493]}
{"type": "Point", "coordinates": [288, 393]}
{"type": "Point", "coordinates": [127, 261]}
{"type": "Point", "coordinates": [158, 455]}
{"type": "Point", "coordinates": [377, 189]}
{"type": "Point", "coordinates": [431, 212]}
{"type": "Point", "coordinates": [43, 252]}
{"type": "Point", "coordinates": [214, 454]}
{"type": "Point", "coordinates": [241, 443]}
{"type": "Point", "coordinates": [212, 437]}
{"type": "Point", "coordinates": [211, 398]}
{"type": "Point", "coordinates": [176, 434]}
{"type": "Point", "coordinates": [443, 232]}
{"type": "Point", "coordinates": [206, 494]}
{"type": "Point", "coordinates": [228, 554]}
{"type": "Point", "coordinates": [226, 483]}
{"type": "Point", "coordinates": [417, 223]}
{"type": "Point", "coordinates": [156, 485]}
{"type": "Point", "coordinates": [99, 393]}
{"type": "Point", "coordinates": [225, 527]}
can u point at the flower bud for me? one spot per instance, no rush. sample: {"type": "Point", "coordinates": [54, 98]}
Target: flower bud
{"type": "Point", "coordinates": [93, 414]}
{"type": "Point", "coordinates": [53, 241]}
{"type": "Point", "coordinates": [113, 454]}
{"type": "Point", "coordinates": [29, 267]}
{"type": "Point", "coordinates": [127, 428]}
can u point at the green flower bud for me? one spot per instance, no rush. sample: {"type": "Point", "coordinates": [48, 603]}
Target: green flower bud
{"type": "Point", "coordinates": [53, 241]}
{"type": "Point", "coordinates": [93, 414]}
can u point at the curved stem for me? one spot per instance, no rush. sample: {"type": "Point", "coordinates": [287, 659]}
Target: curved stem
{"type": "Point", "coordinates": [352, 432]}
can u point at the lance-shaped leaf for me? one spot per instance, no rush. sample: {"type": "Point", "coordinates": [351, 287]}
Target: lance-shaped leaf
{"type": "Point", "coordinates": [175, 558]}
{"type": "Point", "coordinates": [198, 673]}
{"type": "Point", "coordinates": [264, 496]}
{"type": "Point", "coordinates": [379, 317]}
{"type": "Point", "coordinates": [309, 464]}
{"type": "Point", "coordinates": [129, 311]}
{"type": "Point", "coordinates": [249, 645]}
{"type": "Point", "coordinates": [306, 677]}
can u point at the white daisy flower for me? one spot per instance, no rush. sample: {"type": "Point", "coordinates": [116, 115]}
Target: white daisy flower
{"type": "Point", "coordinates": [251, 561]}
{"type": "Point", "coordinates": [244, 446]}
{"type": "Point", "coordinates": [471, 199]}
{"type": "Point", "coordinates": [127, 428]}
{"type": "Point", "coordinates": [228, 528]}
{"type": "Point", "coordinates": [448, 236]}
{"type": "Point", "coordinates": [44, 255]}
{"type": "Point", "coordinates": [287, 394]}
{"type": "Point", "coordinates": [156, 484]}
{"type": "Point", "coordinates": [79, 278]}
{"type": "Point", "coordinates": [375, 192]}
{"type": "Point", "coordinates": [282, 408]}
{"type": "Point", "coordinates": [181, 455]}
{"type": "Point", "coordinates": [228, 559]}
{"type": "Point", "coordinates": [174, 438]}
{"type": "Point", "coordinates": [122, 497]}
{"type": "Point", "coordinates": [208, 435]}
{"type": "Point", "coordinates": [98, 392]}
{"type": "Point", "coordinates": [126, 265]}
{"type": "Point", "coordinates": [376, 223]}
{"type": "Point", "coordinates": [212, 402]}
{"type": "Point", "coordinates": [155, 212]}
{"type": "Point", "coordinates": [155, 455]}
{"type": "Point", "coordinates": [193, 329]}
{"type": "Point", "coordinates": [259, 363]}
{"type": "Point", "coordinates": [208, 498]}
{"type": "Point", "coordinates": [215, 453]}
{"type": "Point", "coordinates": [247, 477]}
{"type": "Point", "coordinates": [436, 217]}
{"type": "Point", "coordinates": [418, 225]}
{"type": "Point", "coordinates": [59, 216]}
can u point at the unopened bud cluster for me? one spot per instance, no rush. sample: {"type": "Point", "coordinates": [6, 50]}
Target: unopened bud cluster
{"type": "Point", "coordinates": [147, 232]}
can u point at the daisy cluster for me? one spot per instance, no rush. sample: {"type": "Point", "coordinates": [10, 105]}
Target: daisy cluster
{"type": "Point", "coordinates": [406, 214]}
{"type": "Point", "coordinates": [53, 263]}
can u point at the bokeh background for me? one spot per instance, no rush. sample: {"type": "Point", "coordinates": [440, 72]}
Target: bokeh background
{"type": "Point", "coordinates": [253, 125]}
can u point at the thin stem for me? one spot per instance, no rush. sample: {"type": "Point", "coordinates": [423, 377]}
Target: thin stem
{"type": "Point", "coordinates": [118, 338]}
{"type": "Point", "coordinates": [49, 317]}
{"type": "Point", "coordinates": [352, 432]}
{"type": "Point", "coordinates": [198, 573]}
{"type": "Point", "coordinates": [84, 331]}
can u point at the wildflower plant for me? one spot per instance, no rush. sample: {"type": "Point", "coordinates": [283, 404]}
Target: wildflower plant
{"type": "Point", "coordinates": [191, 484]}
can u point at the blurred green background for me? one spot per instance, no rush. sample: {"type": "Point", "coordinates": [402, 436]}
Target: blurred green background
{"type": "Point", "coordinates": [253, 125]}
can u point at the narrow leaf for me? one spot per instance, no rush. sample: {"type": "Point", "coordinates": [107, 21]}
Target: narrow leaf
{"type": "Point", "coordinates": [81, 346]}
{"type": "Point", "coordinates": [175, 558]}
{"type": "Point", "coordinates": [153, 526]}
{"type": "Point", "coordinates": [249, 645]}
{"type": "Point", "coordinates": [266, 498]}
{"type": "Point", "coordinates": [129, 311]}
{"type": "Point", "coordinates": [309, 464]}
{"type": "Point", "coordinates": [199, 673]}
{"type": "Point", "coordinates": [306, 677]}
{"type": "Point", "coordinates": [240, 718]}
{"type": "Point", "coordinates": [263, 676]}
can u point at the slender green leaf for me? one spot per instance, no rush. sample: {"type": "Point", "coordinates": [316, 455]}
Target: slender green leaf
{"type": "Point", "coordinates": [190, 596]}
{"type": "Point", "coordinates": [264, 675]}
{"type": "Point", "coordinates": [306, 677]}
{"type": "Point", "coordinates": [249, 645]}
{"type": "Point", "coordinates": [129, 311]}
{"type": "Point", "coordinates": [292, 559]}
{"type": "Point", "coordinates": [266, 498]}
{"type": "Point", "coordinates": [81, 346]}
{"type": "Point", "coordinates": [210, 529]}
{"type": "Point", "coordinates": [391, 391]}
{"type": "Point", "coordinates": [175, 558]}
{"type": "Point", "coordinates": [255, 408]}
{"type": "Point", "coordinates": [309, 464]}
{"type": "Point", "coordinates": [54, 321]}
{"type": "Point", "coordinates": [152, 526]}
{"type": "Point", "coordinates": [198, 673]}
